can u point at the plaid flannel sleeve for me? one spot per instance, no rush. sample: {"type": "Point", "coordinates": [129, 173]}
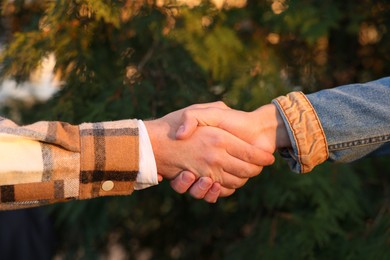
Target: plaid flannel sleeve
{"type": "Point", "coordinates": [50, 162]}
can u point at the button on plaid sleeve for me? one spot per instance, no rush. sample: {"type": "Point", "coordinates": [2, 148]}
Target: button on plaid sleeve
{"type": "Point", "coordinates": [49, 162]}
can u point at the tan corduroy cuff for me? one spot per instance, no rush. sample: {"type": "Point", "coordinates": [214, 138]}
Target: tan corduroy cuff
{"type": "Point", "coordinates": [305, 128]}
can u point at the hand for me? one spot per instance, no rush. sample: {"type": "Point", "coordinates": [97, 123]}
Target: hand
{"type": "Point", "coordinates": [209, 152]}
{"type": "Point", "coordinates": [263, 127]}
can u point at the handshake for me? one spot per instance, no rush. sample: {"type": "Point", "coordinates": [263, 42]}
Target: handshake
{"type": "Point", "coordinates": [211, 150]}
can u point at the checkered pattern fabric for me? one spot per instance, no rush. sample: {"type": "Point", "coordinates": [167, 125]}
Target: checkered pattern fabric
{"type": "Point", "coordinates": [49, 162]}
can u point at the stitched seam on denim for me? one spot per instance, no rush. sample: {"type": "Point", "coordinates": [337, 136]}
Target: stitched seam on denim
{"type": "Point", "coordinates": [361, 142]}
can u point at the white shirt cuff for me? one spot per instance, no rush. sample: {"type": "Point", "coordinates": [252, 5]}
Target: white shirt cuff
{"type": "Point", "coordinates": [147, 175]}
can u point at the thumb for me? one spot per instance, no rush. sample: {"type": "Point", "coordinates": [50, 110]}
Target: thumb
{"type": "Point", "coordinates": [192, 118]}
{"type": "Point", "coordinates": [188, 126]}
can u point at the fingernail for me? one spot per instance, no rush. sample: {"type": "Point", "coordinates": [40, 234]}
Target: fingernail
{"type": "Point", "coordinates": [188, 177]}
{"type": "Point", "coordinates": [204, 184]}
{"type": "Point", "coordinates": [214, 189]}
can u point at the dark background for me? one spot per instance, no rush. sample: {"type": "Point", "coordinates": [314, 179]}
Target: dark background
{"type": "Point", "coordinates": [143, 59]}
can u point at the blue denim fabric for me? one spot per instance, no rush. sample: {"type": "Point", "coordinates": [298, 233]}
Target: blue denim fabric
{"type": "Point", "coordinates": [355, 119]}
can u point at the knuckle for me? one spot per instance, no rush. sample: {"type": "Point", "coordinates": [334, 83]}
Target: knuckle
{"type": "Point", "coordinates": [211, 159]}
{"type": "Point", "coordinates": [214, 161]}
{"type": "Point", "coordinates": [254, 155]}
{"type": "Point", "coordinates": [240, 172]}
{"type": "Point", "coordinates": [221, 104]}
{"type": "Point", "coordinates": [187, 113]}
{"type": "Point", "coordinates": [253, 171]}
{"type": "Point", "coordinates": [248, 156]}
{"type": "Point", "coordinates": [218, 141]}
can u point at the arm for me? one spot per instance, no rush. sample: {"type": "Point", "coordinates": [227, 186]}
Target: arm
{"type": "Point", "coordinates": [355, 119]}
{"type": "Point", "coordinates": [341, 124]}
{"type": "Point", "coordinates": [48, 162]}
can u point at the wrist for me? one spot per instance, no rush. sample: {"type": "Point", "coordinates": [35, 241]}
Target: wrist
{"type": "Point", "coordinates": [164, 147]}
{"type": "Point", "coordinates": [155, 130]}
{"type": "Point", "coordinates": [270, 124]}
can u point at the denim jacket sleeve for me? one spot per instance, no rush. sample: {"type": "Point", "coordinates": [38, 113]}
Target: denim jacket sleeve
{"type": "Point", "coordinates": [342, 124]}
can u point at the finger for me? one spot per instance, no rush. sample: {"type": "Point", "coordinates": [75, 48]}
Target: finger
{"type": "Point", "coordinates": [241, 169]}
{"type": "Point", "coordinates": [225, 192]}
{"type": "Point", "coordinates": [183, 181]}
{"type": "Point", "coordinates": [200, 188]}
{"type": "Point", "coordinates": [231, 181]}
{"type": "Point", "coordinates": [229, 171]}
{"type": "Point", "coordinates": [192, 118]}
{"type": "Point", "coordinates": [213, 193]}
{"type": "Point", "coordinates": [248, 153]}
{"type": "Point", "coordinates": [221, 163]}
{"type": "Point", "coordinates": [160, 177]}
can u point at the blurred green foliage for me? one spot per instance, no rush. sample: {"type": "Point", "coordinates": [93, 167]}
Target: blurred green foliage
{"type": "Point", "coordinates": [126, 59]}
